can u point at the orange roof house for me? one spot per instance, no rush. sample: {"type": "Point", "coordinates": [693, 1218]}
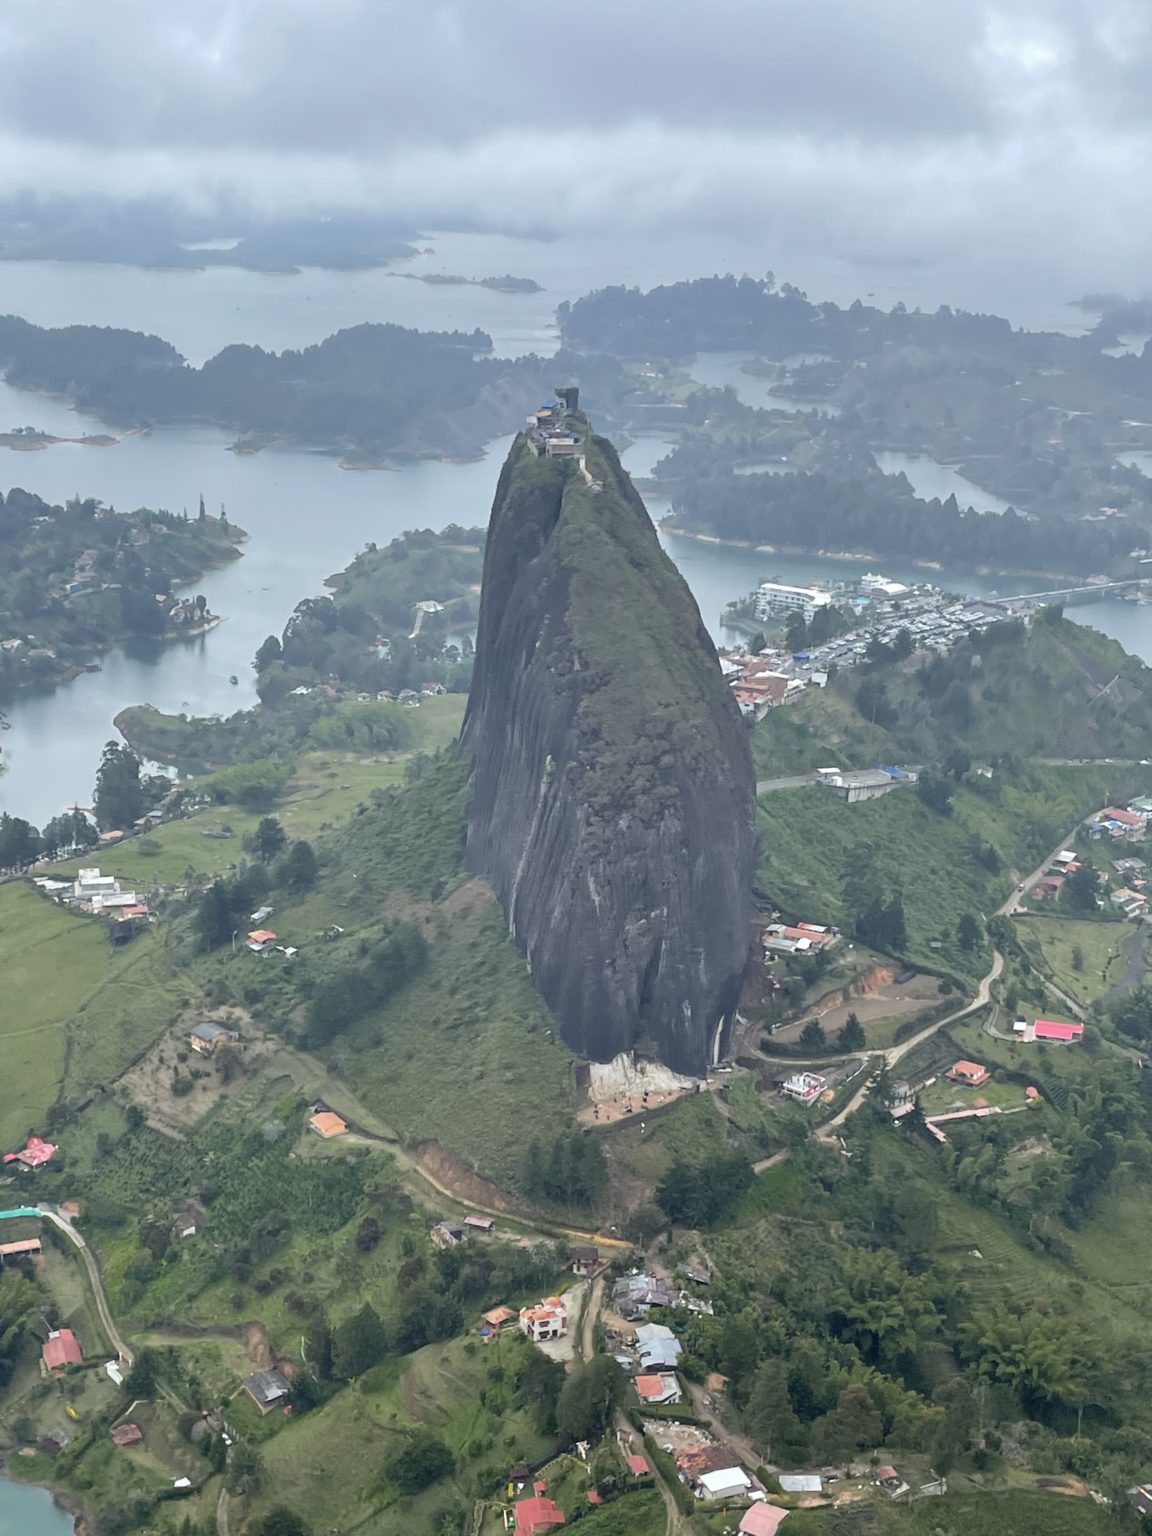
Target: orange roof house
{"type": "Point", "coordinates": [327, 1123]}
{"type": "Point", "coordinates": [499, 1317]}
{"type": "Point", "coordinates": [970, 1073]}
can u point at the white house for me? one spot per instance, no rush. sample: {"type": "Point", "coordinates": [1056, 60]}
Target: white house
{"type": "Point", "coordinates": [804, 1087]}
{"type": "Point", "coordinates": [729, 1483]}
{"type": "Point", "coordinates": [549, 1320]}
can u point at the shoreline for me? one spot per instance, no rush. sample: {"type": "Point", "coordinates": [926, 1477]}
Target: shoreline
{"type": "Point", "coordinates": [64, 1499]}
{"type": "Point", "coordinates": [863, 558]}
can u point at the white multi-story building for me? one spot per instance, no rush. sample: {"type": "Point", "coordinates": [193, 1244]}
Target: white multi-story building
{"type": "Point", "coordinates": [775, 597]}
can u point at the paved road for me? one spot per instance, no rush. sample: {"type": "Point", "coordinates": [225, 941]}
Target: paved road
{"type": "Point", "coordinates": [58, 1219]}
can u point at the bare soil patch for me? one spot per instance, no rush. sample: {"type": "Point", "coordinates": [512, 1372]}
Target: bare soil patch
{"type": "Point", "coordinates": [151, 1083]}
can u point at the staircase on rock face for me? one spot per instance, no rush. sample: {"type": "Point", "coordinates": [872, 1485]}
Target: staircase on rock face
{"type": "Point", "coordinates": [613, 788]}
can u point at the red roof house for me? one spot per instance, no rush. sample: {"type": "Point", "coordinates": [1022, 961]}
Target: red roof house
{"type": "Point", "coordinates": [536, 1515]}
{"type": "Point", "coordinates": [125, 1435]}
{"type": "Point", "coordinates": [762, 1520]}
{"type": "Point", "coordinates": [34, 1155]}
{"type": "Point", "coordinates": [1052, 1029]}
{"type": "Point", "coordinates": [638, 1466]}
{"type": "Point", "coordinates": [60, 1349]}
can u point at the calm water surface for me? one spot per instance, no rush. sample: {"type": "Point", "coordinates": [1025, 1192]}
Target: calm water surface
{"type": "Point", "coordinates": [930, 479]}
{"type": "Point", "coordinates": [30, 1512]}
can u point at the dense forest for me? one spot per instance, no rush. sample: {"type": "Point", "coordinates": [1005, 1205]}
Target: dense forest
{"type": "Point", "coordinates": [879, 514]}
{"type": "Point", "coordinates": [712, 314]}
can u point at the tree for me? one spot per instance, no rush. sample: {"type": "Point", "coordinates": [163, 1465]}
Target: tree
{"type": "Point", "coordinates": [957, 763]}
{"type": "Point", "coordinates": [245, 1469]}
{"type": "Point", "coordinates": [796, 632]}
{"type": "Point", "coordinates": [699, 1194]}
{"type": "Point", "coordinates": [1080, 889]}
{"type": "Point", "coordinates": [140, 1382]}
{"type": "Point", "coordinates": [368, 1234]}
{"type": "Point", "coordinates": [270, 650]}
{"type": "Point", "coordinates": [771, 1417]}
{"type": "Point", "coordinates": [214, 924]}
{"type": "Point", "coordinates": [935, 792]}
{"type": "Point", "coordinates": [851, 1036]}
{"type": "Point", "coordinates": [20, 843]}
{"type": "Point", "coordinates": [119, 793]}
{"type": "Point", "coordinates": [588, 1398]}
{"type": "Point", "coordinates": [358, 1343]}
{"type": "Point", "coordinates": [421, 1459]}
{"type": "Point", "coordinates": [538, 1387]}
{"type": "Point", "coordinates": [813, 1038]}
{"type": "Point", "coordinates": [280, 1521]}
{"type": "Point", "coordinates": [298, 871]}
{"type": "Point", "coordinates": [268, 840]}
{"type": "Point", "coordinates": [968, 931]}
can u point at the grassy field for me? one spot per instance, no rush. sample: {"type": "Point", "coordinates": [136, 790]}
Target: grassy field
{"type": "Point", "coordinates": [324, 792]}
{"type": "Point", "coordinates": [75, 1010]}
{"type": "Point", "coordinates": [467, 1054]}
{"type": "Point", "coordinates": [325, 1464]}
{"type": "Point", "coordinates": [1051, 942]}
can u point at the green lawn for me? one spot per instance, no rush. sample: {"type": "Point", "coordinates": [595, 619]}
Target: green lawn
{"type": "Point", "coordinates": [1051, 942]}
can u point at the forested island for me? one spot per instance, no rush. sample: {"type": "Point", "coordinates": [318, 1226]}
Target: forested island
{"type": "Point", "coordinates": [879, 515]}
{"type": "Point", "coordinates": [76, 579]}
{"type": "Point", "coordinates": [505, 284]}
{"type": "Point", "coordinates": [369, 392]}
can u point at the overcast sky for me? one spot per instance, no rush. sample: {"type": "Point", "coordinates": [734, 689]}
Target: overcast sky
{"type": "Point", "coordinates": [893, 124]}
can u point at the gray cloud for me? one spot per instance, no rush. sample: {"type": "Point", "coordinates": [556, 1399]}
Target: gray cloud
{"type": "Point", "coordinates": [873, 124]}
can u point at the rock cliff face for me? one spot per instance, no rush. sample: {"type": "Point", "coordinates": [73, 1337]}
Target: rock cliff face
{"type": "Point", "coordinates": [613, 785]}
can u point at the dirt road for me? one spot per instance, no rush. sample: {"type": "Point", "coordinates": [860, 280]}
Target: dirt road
{"type": "Point", "coordinates": [590, 1318]}
{"type": "Point", "coordinates": [53, 1214]}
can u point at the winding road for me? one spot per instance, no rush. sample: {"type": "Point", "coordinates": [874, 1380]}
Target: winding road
{"type": "Point", "coordinates": [896, 1053]}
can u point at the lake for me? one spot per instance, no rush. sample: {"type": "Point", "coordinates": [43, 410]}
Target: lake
{"type": "Point", "coordinates": [931, 480]}
{"type": "Point", "coordinates": [724, 370]}
{"type": "Point", "coordinates": [28, 1511]}
{"type": "Point", "coordinates": [306, 516]}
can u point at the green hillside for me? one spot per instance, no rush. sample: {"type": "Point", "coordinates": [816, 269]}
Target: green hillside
{"type": "Point", "coordinates": [1057, 689]}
